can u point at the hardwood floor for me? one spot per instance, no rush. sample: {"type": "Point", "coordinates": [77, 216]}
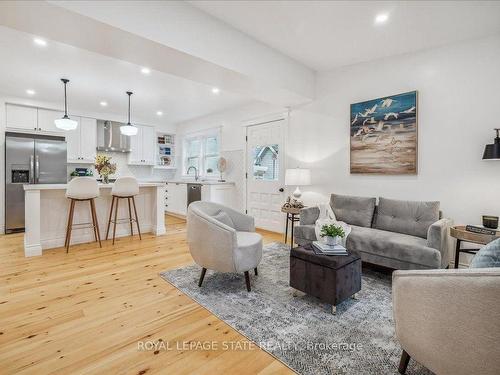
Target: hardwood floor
{"type": "Point", "coordinates": [86, 312]}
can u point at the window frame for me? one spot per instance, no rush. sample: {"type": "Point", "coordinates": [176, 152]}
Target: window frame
{"type": "Point", "coordinates": [202, 137]}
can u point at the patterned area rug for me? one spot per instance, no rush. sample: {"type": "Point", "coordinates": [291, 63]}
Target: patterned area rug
{"type": "Point", "coordinates": [300, 330]}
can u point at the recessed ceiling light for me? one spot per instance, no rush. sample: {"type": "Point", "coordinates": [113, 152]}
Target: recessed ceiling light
{"type": "Point", "coordinates": [381, 18]}
{"type": "Point", "coordinates": [215, 90]}
{"type": "Point", "coordinates": [159, 113]}
{"type": "Point", "coordinates": [103, 104]}
{"type": "Point", "coordinates": [40, 42]}
{"type": "Point", "coordinates": [30, 92]}
{"type": "Point", "coordinates": [145, 70]}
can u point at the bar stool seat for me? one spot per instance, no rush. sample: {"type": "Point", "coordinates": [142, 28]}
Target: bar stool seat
{"type": "Point", "coordinates": [82, 189]}
{"type": "Point", "coordinates": [124, 188]}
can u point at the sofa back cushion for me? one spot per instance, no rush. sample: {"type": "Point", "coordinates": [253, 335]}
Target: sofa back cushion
{"type": "Point", "coordinates": [407, 217]}
{"type": "Point", "coordinates": [353, 210]}
{"type": "Point", "coordinates": [488, 256]}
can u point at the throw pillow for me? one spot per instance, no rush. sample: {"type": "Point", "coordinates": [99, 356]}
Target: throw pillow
{"type": "Point", "coordinates": [488, 256]}
{"type": "Point", "coordinates": [224, 218]}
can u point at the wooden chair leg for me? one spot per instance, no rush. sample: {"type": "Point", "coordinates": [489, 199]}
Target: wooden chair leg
{"type": "Point", "coordinates": [116, 216]}
{"type": "Point", "coordinates": [256, 272]}
{"type": "Point", "coordinates": [110, 213]}
{"type": "Point", "coordinates": [202, 276]}
{"type": "Point", "coordinates": [403, 363]}
{"type": "Point", "coordinates": [96, 223]}
{"type": "Point", "coordinates": [70, 224]}
{"type": "Point", "coordinates": [136, 218]}
{"type": "Point", "coordinates": [93, 219]}
{"type": "Point", "coordinates": [130, 217]}
{"type": "Point", "coordinates": [247, 280]}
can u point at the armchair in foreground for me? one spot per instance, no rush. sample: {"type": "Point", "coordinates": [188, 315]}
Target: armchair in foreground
{"type": "Point", "coordinates": [222, 239]}
{"type": "Point", "coordinates": [449, 320]}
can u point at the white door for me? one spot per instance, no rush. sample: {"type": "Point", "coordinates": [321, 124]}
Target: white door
{"type": "Point", "coordinates": [265, 174]}
{"type": "Point", "coordinates": [88, 139]}
{"type": "Point", "coordinates": [148, 145]}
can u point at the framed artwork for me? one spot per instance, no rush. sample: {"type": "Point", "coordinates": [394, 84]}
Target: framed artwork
{"type": "Point", "coordinates": [384, 135]}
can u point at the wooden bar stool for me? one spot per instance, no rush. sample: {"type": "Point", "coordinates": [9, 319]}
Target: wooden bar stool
{"type": "Point", "coordinates": [124, 188]}
{"type": "Point", "coordinates": [82, 189]}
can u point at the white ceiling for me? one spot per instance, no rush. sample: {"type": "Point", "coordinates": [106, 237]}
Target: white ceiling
{"type": "Point", "coordinates": [327, 34]}
{"type": "Point", "coordinates": [96, 78]}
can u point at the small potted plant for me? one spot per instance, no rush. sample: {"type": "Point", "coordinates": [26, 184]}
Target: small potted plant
{"type": "Point", "coordinates": [104, 167]}
{"type": "Point", "coordinates": [333, 233]}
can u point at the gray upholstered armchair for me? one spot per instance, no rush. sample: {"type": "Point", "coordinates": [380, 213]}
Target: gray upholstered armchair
{"type": "Point", "coordinates": [222, 239]}
{"type": "Point", "coordinates": [449, 320]}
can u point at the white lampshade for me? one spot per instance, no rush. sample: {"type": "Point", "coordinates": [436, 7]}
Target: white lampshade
{"type": "Point", "coordinates": [128, 129]}
{"type": "Point", "coordinates": [66, 123]}
{"type": "Point", "coordinates": [298, 177]}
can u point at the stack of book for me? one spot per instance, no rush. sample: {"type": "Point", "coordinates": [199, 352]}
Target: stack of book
{"type": "Point", "coordinates": [482, 230]}
{"type": "Point", "coordinates": [323, 248]}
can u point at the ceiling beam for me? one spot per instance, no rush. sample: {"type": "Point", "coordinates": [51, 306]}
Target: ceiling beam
{"type": "Point", "coordinates": [62, 25]}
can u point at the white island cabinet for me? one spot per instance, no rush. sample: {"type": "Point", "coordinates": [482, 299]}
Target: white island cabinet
{"type": "Point", "coordinates": [46, 215]}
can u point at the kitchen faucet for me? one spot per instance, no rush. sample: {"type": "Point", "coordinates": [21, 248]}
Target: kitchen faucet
{"type": "Point", "coordinates": [195, 172]}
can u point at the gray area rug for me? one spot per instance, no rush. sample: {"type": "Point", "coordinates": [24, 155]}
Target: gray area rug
{"type": "Point", "coordinates": [300, 330]}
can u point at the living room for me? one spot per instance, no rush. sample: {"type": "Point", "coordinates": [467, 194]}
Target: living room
{"type": "Point", "coordinates": [345, 156]}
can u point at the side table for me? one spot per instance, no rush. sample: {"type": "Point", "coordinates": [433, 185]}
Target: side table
{"type": "Point", "coordinates": [292, 216]}
{"type": "Point", "coordinates": [461, 234]}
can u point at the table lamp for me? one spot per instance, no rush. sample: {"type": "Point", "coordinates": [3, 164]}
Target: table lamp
{"type": "Point", "coordinates": [492, 151]}
{"type": "Point", "coordinates": [297, 177]}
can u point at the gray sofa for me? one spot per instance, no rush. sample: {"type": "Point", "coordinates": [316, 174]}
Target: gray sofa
{"type": "Point", "coordinates": [396, 234]}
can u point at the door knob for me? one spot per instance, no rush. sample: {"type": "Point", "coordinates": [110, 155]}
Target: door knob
{"type": "Point", "coordinates": [281, 190]}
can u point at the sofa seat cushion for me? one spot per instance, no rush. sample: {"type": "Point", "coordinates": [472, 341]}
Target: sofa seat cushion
{"type": "Point", "coordinates": [305, 232]}
{"type": "Point", "coordinates": [407, 217]}
{"type": "Point", "coordinates": [353, 210]}
{"type": "Point", "coordinates": [488, 256]}
{"type": "Point", "coordinates": [248, 252]}
{"type": "Point", "coordinates": [392, 245]}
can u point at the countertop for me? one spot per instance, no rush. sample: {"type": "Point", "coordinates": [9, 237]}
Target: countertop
{"type": "Point", "coordinates": [206, 182]}
{"type": "Point", "coordinates": [101, 186]}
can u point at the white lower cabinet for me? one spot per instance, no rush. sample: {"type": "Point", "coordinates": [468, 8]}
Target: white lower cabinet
{"type": "Point", "coordinates": [176, 198]}
{"type": "Point", "coordinates": [222, 194]}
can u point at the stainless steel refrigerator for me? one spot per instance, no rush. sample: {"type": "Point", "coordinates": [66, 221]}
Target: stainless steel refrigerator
{"type": "Point", "coordinates": [30, 159]}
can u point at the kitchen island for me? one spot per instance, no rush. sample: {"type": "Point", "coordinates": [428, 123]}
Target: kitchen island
{"type": "Point", "coordinates": [46, 215]}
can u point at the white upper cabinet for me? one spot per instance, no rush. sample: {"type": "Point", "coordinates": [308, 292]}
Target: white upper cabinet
{"type": "Point", "coordinates": [46, 120]}
{"type": "Point", "coordinates": [88, 139]}
{"type": "Point", "coordinates": [142, 146]}
{"type": "Point", "coordinates": [82, 141]}
{"type": "Point", "coordinates": [20, 117]}
{"type": "Point", "coordinates": [148, 145]}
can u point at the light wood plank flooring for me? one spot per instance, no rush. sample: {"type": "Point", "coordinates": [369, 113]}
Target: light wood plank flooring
{"type": "Point", "coordinates": [84, 312]}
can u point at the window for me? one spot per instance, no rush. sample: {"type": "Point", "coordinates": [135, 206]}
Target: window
{"type": "Point", "coordinates": [202, 152]}
{"type": "Point", "coordinates": [265, 162]}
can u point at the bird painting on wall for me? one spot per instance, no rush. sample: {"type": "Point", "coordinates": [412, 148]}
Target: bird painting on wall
{"type": "Point", "coordinates": [384, 135]}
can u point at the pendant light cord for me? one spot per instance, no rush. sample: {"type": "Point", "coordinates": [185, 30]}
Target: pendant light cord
{"type": "Point", "coordinates": [129, 95]}
{"type": "Point", "coordinates": [65, 81]}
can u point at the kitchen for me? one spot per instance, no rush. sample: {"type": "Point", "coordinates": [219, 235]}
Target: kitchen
{"type": "Point", "coordinates": [153, 155]}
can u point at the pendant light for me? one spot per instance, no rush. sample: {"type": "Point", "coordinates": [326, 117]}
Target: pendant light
{"type": "Point", "coordinates": [65, 123]}
{"type": "Point", "coordinates": [492, 151]}
{"type": "Point", "coordinates": [128, 129]}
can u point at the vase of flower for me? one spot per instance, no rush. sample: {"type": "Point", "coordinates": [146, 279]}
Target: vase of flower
{"type": "Point", "coordinates": [332, 234]}
{"type": "Point", "coordinates": [104, 167]}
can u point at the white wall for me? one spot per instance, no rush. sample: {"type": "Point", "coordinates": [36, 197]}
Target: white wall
{"type": "Point", "coordinates": [458, 100]}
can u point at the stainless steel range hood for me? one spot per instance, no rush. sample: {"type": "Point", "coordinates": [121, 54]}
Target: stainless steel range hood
{"type": "Point", "coordinates": [109, 137]}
